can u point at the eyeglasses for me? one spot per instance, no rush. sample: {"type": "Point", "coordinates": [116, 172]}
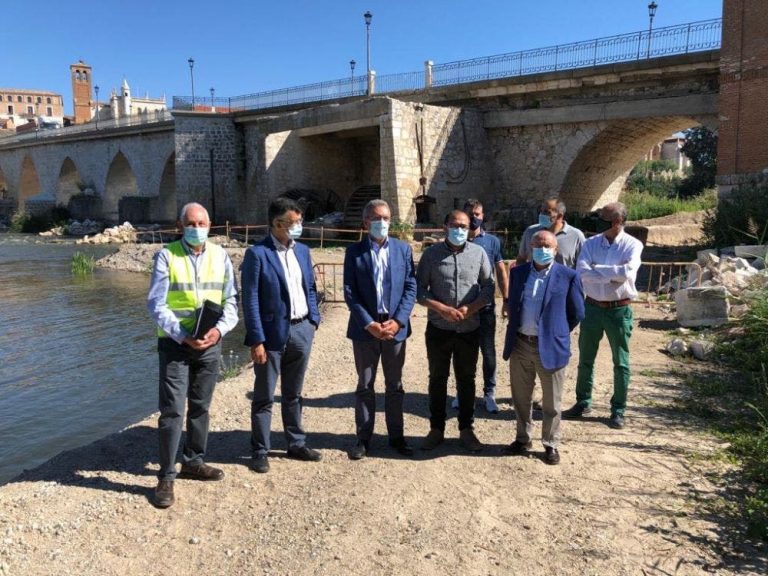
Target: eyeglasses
{"type": "Point", "coordinates": [291, 222]}
{"type": "Point", "coordinates": [457, 225]}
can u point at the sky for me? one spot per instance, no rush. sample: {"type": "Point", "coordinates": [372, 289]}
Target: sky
{"type": "Point", "coordinates": [246, 46]}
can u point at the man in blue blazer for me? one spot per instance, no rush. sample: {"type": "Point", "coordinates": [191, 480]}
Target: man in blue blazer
{"type": "Point", "coordinates": [380, 291]}
{"type": "Point", "coordinates": [281, 316]}
{"type": "Point", "coordinates": [545, 303]}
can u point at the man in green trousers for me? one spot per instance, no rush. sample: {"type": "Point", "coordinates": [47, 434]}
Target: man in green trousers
{"type": "Point", "coordinates": [608, 266]}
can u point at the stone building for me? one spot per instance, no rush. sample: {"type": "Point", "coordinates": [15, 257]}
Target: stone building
{"type": "Point", "coordinates": [20, 106]}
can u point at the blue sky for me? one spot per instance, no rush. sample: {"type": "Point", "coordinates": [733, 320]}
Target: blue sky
{"type": "Point", "coordinates": [244, 46]}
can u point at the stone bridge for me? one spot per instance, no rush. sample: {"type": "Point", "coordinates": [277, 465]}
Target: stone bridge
{"type": "Point", "coordinates": [508, 142]}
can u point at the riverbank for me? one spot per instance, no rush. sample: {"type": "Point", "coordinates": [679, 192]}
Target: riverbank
{"type": "Point", "coordinates": [622, 502]}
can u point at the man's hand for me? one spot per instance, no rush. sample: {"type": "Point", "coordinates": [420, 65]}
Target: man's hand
{"type": "Point", "coordinates": [504, 310]}
{"type": "Point", "coordinates": [376, 330]}
{"type": "Point", "coordinates": [390, 328]}
{"type": "Point", "coordinates": [211, 338]}
{"type": "Point", "coordinates": [259, 354]}
{"type": "Point", "coordinates": [452, 314]}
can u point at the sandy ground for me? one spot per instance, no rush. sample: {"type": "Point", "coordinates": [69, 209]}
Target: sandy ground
{"type": "Point", "coordinates": [621, 502]}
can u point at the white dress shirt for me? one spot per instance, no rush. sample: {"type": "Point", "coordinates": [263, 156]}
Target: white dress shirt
{"type": "Point", "coordinates": [381, 275]}
{"type": "Point", "coordinates": [293, 278]}
{"type": "Point", "coordinates": [608, 270]}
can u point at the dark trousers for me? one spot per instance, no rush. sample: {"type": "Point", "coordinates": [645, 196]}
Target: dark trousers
{"type": "Point", "coordinates": [367, 356]}
{"type": "Point", "coordinates": [186, 376]}
{"type": "Point", "coordinates": [290, 364]}
{"type": "Point", "coordinates": [463, 348]}
{"type": "Point", "coordinates": [488, 349]}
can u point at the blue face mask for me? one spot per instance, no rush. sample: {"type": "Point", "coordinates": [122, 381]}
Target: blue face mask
{"type": "Point", "coordinates": [543, 256]}
{"type": "Point", "coordinates": [195, 236]}
{"type": "Point", "coordinates": [457, 236]}
{"type": "Point", "coordinates": [295, 231]}
{"type": "Point", "coordinates": [545, 221]}
{"type": "Point", "coordinates": [378, 229]}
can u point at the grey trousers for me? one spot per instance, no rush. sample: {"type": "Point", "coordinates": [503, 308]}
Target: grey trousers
{"type": "Point", "coordinates": [289, 364]}
{"type": "Point", "coordinates": [186, 376]}
{"type": "Point", "coordinates": [524, 365]}
{"type": "Point", "coordinates": [367, 356]}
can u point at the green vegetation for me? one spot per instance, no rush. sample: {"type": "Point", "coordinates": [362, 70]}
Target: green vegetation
{"type": "Point", "coordinates": [230, 366]}
{"type": "Point", "coordinates": [82, 264]}
{"type": "Point", "coordinates": [400, 229]}
{"type": "Point", "coordinates": [737, 407]}
{"type": "Point", "coordinates": [643, 205]}
{"type": "Point", "coordinates": [701, 147]}
{"type": "Point", "coordinates": [740, 218]}
{"type": "Point", "coordinates": [32, 223]}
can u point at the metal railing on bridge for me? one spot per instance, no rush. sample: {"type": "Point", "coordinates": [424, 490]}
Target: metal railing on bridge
{"type": "Point", "coordinates": [666, 41]}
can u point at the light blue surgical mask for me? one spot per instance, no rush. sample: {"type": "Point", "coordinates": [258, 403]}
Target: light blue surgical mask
{"type": "Point", "coordinates": [545, 221]}
{"type": "Point", "coordinates": [295, 231]}
{"type": "Point", "coordinates": [543, 256]}
{"type": "Point", "coordinates": [195, 236]}
{"type": "Point", "coordinates": [457, 236]}
{"type": "Point", "coordinates": [378, 229]}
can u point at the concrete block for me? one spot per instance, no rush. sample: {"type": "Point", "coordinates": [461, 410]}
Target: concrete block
{"type": "Point", "coordinates": [705, 306]}
{"type": "Point", "coordinates": [753, 251]}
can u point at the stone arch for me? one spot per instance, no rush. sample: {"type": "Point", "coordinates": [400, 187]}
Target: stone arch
{"type": "Point", "coordinates": [29, 182]}
{"type": "Point", "coordinates": [165, 210]}
{"type": "Point", "coordinates": [70, 183]}
{"type": "Point", "coordinates": [597, 174]}
{"type": "Point", "coordinates": [121, 182]}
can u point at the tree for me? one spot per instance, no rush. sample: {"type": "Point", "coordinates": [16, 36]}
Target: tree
{"type": "Point", "coordinates": [701, 147]}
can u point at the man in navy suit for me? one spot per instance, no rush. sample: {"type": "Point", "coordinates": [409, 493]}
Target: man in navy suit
{"type": "Point", "coordinates": [545, 304]}
{"type": "Point", "coordinates": [380, 290]}
{"type": "Point", "coordinates": [281, 316]}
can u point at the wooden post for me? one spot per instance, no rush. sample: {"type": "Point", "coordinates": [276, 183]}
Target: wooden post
{"type": "Point", "coordinates": [246, 234]}
{"type": "Point", "coordinates": [227, 228]}
{"type": "Point", "coordinates": [322, 233]}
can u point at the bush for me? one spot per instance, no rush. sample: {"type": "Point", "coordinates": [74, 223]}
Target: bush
{"type": "Point", "coordinates": [644, 205]}
{"type": "Point", "coordinates": [82, 264]}
{"type": "Point", "coordinates": [740, 218]}
{"type": "Point", "coordinates": [32, 223]}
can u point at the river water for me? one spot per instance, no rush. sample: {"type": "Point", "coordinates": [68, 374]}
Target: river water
{"type": "Point", "coordinates": [78, 355]}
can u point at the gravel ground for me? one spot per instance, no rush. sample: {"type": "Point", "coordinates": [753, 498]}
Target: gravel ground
{"type": "Point", "coordinates": [621, 502]}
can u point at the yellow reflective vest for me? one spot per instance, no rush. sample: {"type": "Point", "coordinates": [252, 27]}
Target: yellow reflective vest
{"type": "Point", "coordinates": [187, 293]}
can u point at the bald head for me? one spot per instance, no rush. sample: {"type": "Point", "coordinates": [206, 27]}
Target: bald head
{"type": "Point", "coordinates": [613, 212]}
{"type": "Point", "coordinates": [544, 239]}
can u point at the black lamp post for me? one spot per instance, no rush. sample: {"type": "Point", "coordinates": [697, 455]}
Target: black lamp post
{"type": "Point", "coordinates": [191, 63]}
{"type": "Point", "coordinates": [651, 13]}
{"type": "Point", "coordinates": [352, 77]}
{"type": "Point", "coordinates": [213, 91]}
{"type": "Point", "coordinates": [368, 17]}
{"type": "Point", "coordinates": [96, 89]}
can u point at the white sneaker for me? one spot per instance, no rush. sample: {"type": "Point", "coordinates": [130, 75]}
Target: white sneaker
{"type": "Point", "coordinates": [490, 404]}
{"type": "Point", "coordinates": [455, 403]}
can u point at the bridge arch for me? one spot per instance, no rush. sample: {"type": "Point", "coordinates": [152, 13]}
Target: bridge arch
{"type": "Point", "coordinates": [165, 210]}
{"type": "Point", "coordinates": [70, 183]}
{"type": "Point", "coordinates": [29, 182]}
{"type": "Point", "coordinates": [597, 174]}
{"type": "Point", "coordinates": [121, 182]}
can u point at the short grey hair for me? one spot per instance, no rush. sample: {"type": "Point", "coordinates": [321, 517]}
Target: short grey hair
{"type": "Point", "coordinates": [559, 206]}
{"type": "Point", "coordinates": [616, 208]}
{"type": "Point", "coordinates": [373, 204]}
{"type": "Point", "coordinates": [187, 206]}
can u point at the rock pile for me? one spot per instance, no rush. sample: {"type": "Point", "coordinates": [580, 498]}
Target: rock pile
{"type": "Point", "coordinates": [115, 235]}
{"type": "Point", "coordinates": [87, 226]}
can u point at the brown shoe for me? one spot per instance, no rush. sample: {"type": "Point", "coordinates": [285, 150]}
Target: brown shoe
{"type": "Point", "coordinates": [470, 442]}
{"type": "Point", "coordinates": [202, 472]}
{"type": "Point", "coordinates": [433, 439]}
{"type": "Point", "coordinates": [517, 448]}
{"type": "Point", "coordinates": [164, 494]}
{"type": "Point", "coordinates": [551, 455]}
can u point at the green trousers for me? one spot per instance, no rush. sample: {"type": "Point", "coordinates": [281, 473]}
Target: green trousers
{"type": "Point", "coordinates": [616, 323]}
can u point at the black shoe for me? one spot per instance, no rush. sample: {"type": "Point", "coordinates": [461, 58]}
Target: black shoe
{"type": "Point", "coordinates": [551, 455]}
{"type": "Point", "coordinates": [164, 494]}
{"type": "Point", "coordinates": [537, 407]}
{"type": "Point", "coordinates": [616, 421]}
{"type": "Point", "coordinates": [305, 454]}
{"type": "Point", "coordinates": [260, 463]}
{"type": "Point", "coordinates": [201, 472]}
{"type": "Point", "coordinates": [360, 450]}
{"type": "Point", "coordinates": [401, 446]}
{"type": "Point", "coordinates": [517, 448]}
{"type": "Point", "coordinates": [577, 411]}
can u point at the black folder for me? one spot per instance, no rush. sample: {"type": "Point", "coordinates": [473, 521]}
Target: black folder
{"type": "Point", "coordinates": [207, 317]}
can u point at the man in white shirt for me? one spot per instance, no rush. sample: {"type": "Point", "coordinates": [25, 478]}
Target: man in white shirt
{"type": "Point", "coordinates": [608, 266]}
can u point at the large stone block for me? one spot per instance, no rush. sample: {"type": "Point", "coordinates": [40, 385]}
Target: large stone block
{"type": "Point", "coordinates": [702, 306]}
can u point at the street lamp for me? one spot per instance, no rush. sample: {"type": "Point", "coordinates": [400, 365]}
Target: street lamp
{"type": "Point", "coordinates": [213, 91]}
{"type": "Point", "coordinates": [368, 17]}
{"type": "Point", "coordinates": [651, 13]}
{"type": "Point", "coordinates": [96, 89]}
{"type": "Point", "coordinates": [352, 77]}
{"type": "Point", "coordinates": [191, 63]}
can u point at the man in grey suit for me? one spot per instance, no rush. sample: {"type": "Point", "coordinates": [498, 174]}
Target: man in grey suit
{"type": "Point", "coordinates": [380, 290]}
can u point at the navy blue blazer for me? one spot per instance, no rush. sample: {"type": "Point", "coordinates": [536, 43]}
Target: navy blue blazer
{"type": "Point", "coordinates": [266, 303]}
{"type": "Point", "coordinates": [562, 310]}
{"type": "Point", "coordinates": [360, 288]}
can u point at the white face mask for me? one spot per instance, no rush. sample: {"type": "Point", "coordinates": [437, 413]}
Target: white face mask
{"type": "Point", "coordinates": [378, 229]}
{"type": "Point", "coordinates": [295, 231]}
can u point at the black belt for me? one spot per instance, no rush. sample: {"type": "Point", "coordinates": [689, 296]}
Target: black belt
{"type": "Point", "coordinates": [382, 317]}
{"type": "Point", "coordinates": [608, 303]}
{"type": "Point", "coordinates": [529, 339]}
{"type": "Point", "coordinates": [299, 320]}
